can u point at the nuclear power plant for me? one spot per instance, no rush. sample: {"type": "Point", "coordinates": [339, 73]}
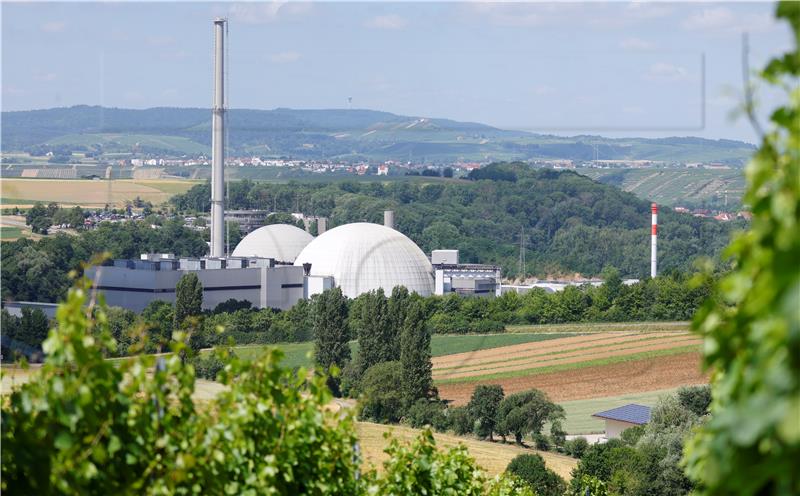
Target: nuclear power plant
{"type": "Point", "coordinates": [277, 265]}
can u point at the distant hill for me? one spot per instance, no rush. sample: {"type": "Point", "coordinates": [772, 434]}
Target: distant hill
{"type": "Point", "coordinates": [334, 133]}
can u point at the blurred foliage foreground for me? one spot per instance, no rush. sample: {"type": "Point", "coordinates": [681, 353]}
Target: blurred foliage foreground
{"type": "Point", "coordinates": [751, 444]}
{"type": "Point", "coordinates": [87, 425]}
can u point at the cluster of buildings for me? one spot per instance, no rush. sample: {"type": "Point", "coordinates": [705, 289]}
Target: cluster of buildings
{"type": "Point", "coordinates": [277, 265]}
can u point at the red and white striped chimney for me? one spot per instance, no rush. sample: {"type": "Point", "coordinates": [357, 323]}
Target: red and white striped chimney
{"type": "Point", "coordinates": [654, 241]}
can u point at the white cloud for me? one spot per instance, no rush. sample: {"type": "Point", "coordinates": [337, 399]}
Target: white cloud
{"type": "Point", "coordinates": [391, 21]}
{"type": "Point", "coordinates": [285, 57]}
{"type": "Point", "coordinates": [543, 89]}
{"type": "Point", "coordinates": [710, 18]}
{"type": "Point", "coordinates": [53, 26]}
{"type": "Point", "coordinates": [723, 19]}
{"type": "Point", "coordinates": [662, 71]}
{"type": "Point", "coordinates": [266, 12]}
{"type": "Point", "coordinates": [635, 44]}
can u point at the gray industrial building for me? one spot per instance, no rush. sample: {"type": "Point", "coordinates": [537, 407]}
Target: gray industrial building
{"type": "Point", "coordinates": [133, 284]}
{"type": "Point", "coordinates": [463, 279]}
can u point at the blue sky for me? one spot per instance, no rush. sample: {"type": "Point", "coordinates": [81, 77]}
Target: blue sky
{"type": "Point", "coordinates": [614, 68]}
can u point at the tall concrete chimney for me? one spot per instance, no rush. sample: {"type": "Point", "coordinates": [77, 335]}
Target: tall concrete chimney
{"type": "Point", "coordinates": [218, 143]}
{"type": "Point", "coordinates": [388, 218]}
{"type": "Point", "coordinates": [322, 225]}
{"type": "Point", "coordinates": [654, 241]}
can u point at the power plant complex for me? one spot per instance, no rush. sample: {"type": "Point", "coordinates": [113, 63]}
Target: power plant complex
{"type": "Point", "coordinates": [277, 265]}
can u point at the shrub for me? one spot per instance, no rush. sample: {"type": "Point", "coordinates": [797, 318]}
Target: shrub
{"type": "Point", "coordinates": [381, 393]}
{"type": "Point", "coordinates": [541, 442]}
{"type": "Point", "coordinates": [576, 447]}
{"type": "Point", "coordinates": [460, 420]}
{"type": "Point", "coordinates": [487, 327]}
{"type": "Point", "coordinates": [427, 412]}
{"type": "Point", "coordinates": [697, 399]}
{"type": "Point", "coordinates": [207, 366]}
{"type": "Point", "coordinates": [531, 469]}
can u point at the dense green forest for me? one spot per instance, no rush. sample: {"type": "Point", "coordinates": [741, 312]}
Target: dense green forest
{"type": "Point", "coordinates": [570, 223]}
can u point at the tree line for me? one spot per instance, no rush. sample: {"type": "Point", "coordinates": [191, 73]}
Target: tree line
{"type": "Point", "coordinates": [569, 222]}
{"type": "Point", "coordinates": [375, 320]}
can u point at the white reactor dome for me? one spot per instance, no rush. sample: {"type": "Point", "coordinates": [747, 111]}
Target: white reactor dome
{"type": "Point", "coordinates": [362, 257]}
{"type": "Point", "coordinates": [282, 242]}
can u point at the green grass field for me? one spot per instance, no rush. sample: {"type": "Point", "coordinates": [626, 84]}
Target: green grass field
{"type": "Point", "coordinates": [296, 354]}
{"type": "Point", "coordinates": [579, 413]}
{"type": "Point", "coordinates": [7, 232]}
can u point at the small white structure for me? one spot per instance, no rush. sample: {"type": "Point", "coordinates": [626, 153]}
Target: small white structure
{"type": "Point", "coordinates": [624, 417]}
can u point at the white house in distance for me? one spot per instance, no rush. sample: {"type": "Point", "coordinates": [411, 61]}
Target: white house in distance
{"type": "Point", "coordinates": [624, 417]}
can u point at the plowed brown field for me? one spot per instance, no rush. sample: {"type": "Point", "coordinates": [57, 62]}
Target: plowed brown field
{"type": "Point", "coordinates": [636, 376]}
{"type": "Point", "coordinates": [571, 350]}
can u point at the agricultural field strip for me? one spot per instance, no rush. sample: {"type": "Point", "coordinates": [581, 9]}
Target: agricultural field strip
{"type": "Point", "coordinates": [571, 366]}
{"type": "Point", "coordinates": [563, 343]}
{"type": "Point", "coordinates": [594, 328]}
{"type": "Point", "coordinates": [482, 360]}
{"type": "Point", "coordinates": [603, 353]}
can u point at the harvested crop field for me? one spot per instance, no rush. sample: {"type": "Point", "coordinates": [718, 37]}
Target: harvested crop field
{"type": "Point", "coordinates": [89, 193]}
{"type": "Point", "coordinates": [558, 355]}
{"type": "Point", "coordinates": [492, 457]}
{"type": "Point", "coordinates": [634, 376]}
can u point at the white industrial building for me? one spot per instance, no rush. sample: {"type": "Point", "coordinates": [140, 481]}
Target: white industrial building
{"type": "Point", "coordinates": [362, 257]}
{"type": "Point", "coordinates": [133, 284]}
{"type": "Point", "coordinates": [464, 279]}
{"type": "Point", "coordinates": [281, 242]}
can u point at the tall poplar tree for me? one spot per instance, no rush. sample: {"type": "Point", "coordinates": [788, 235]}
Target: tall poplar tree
{"type": "Point", "coordinates": [331, 336]}
{"type": "Point", "coordinates": [415, 355]}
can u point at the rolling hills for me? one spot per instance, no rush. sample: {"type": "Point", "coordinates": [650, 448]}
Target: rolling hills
{"type": "Point", "coordinates": [351, 134]}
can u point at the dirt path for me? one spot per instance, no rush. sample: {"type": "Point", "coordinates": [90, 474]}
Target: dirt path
{"type": "Point", "coordinates": [597, 382]}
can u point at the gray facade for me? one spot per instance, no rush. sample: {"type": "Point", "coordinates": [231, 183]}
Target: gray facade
{"type": "Point", "coordinates": [133, 284]}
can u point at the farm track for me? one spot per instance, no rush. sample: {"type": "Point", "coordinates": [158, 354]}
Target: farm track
{"type": "Point", "coordinates": [636, 376]}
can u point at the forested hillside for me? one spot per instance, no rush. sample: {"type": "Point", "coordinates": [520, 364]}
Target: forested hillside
{"type": "Point", "coordinates": [570, 223]}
